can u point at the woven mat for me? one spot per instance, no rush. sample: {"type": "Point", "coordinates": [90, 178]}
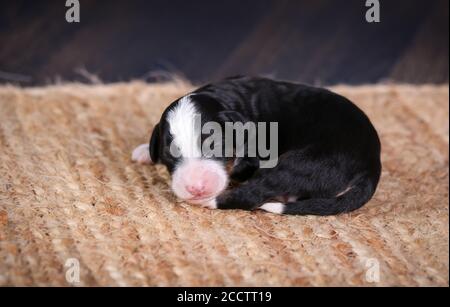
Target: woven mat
{"type": "Point", "coordinates": [70, 198]}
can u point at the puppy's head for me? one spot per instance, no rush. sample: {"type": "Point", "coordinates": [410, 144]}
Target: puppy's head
{"type": "Point", "coordinates": [176, 142]}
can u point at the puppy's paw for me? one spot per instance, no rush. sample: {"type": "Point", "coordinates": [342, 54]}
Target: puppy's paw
{"type": "Point", "coordinates": [209, 203]}
{"type": "Point", "coordinates": [141, 154]}
{"type": "Point", "coordinates": [277, 208]}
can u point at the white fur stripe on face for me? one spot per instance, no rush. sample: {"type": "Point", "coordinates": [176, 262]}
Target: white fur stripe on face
{"type": "Point", "coordinates": [277, 208]}
{"type": "Point", "coordinates": [181, 121]}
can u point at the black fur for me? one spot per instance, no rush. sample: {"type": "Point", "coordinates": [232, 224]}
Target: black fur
{"type": "Point", "coordinates": [326, 145]}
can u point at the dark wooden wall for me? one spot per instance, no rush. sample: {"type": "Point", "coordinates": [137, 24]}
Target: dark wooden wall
{"type": "Point", "coordinates": [314, 41]}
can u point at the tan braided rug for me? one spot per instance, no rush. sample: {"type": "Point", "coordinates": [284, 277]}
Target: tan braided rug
{"type": "Point", "coordinates": [69, 191]}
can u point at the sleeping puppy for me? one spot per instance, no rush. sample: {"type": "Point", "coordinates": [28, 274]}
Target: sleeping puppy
{"type": "Point", "coordinates": [328, 152]}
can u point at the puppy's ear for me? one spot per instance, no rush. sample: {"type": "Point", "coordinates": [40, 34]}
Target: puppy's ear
{"type": "Point", "coordinates": [154, 144]}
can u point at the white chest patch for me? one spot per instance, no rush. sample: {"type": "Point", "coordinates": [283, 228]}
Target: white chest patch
{"type": "Point", "coordinates": [185, 127]}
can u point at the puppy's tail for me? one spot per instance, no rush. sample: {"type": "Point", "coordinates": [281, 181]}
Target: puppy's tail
{"type": "Point", "coordinates": [359, 194]}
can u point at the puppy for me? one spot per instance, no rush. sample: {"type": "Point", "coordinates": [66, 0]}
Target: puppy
{"type": "Point", "coordinates": [328, 151]}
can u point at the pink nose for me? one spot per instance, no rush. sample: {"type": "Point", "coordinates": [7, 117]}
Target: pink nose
{"type": "Point", "coordinates": [196, 190]}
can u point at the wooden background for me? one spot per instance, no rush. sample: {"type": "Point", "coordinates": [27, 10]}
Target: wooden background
{"type": "Point", "coordinates": [319, 42]}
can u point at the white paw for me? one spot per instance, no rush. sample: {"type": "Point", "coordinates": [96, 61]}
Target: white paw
{"type": "Point", "coordinates": [209, 203]}
{"type": "Point", "coordinates": [277, 208]}
{"type": "Point", "coordinates": [141, 154]}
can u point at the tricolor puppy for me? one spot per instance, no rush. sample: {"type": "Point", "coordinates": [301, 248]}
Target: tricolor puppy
{"type": "Point", "coordinates": [328, 158]}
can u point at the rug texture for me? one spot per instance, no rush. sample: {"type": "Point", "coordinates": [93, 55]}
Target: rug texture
{"type": "Point", "coordinates": [71, 198]}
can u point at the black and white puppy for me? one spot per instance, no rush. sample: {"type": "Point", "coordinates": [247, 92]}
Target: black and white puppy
{"type": "Point", "coordinates": [329, 152]}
